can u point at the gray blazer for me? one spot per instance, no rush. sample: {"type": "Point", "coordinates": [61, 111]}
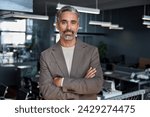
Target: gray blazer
{"type": "Point", "coordinates": [75, 86]}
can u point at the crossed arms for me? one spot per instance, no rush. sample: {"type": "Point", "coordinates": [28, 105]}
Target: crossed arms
{"type": "Point", "coordinates": [53, 87]}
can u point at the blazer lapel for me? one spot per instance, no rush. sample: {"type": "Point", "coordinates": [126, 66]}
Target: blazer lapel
{"type": "Point", "coordinates": [60, 60]}
{"type": "Point", "coordinates": [78, 52]}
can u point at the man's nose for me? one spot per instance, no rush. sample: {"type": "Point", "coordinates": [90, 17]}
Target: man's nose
{"type": "Point", "coordinates": [69, 26]}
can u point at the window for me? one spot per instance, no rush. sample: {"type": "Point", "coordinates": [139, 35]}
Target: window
{"type": "Point", "coordinates": [14, 38]}
{"type": "Point", "coordinates": [14, 25]}
{"type": "Point", "coordinates": [13, 32]}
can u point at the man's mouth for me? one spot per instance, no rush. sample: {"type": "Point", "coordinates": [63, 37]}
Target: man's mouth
{"type": "Point", "coordinates": [68, 32]}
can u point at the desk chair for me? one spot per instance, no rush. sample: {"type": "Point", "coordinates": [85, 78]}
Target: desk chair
{"type": "Point", "coordinates": [35, 90]}
{"type": "Point", "coordinates": [22, 94]}
{"type": "Point", "coordinates": [3, 91]}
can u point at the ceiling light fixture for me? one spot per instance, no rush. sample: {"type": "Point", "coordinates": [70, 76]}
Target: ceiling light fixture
{"type": "Point", "coordinates": [23, 16]}
{"type": "Point", "coordinates": [148, 26]}
{"type": "Point", "coordinates": [146, 23]}
{"type": "Point", "coordinates": [81, 9]}
{"type": "Point", "coordinates": [113, 26]}
{"type": "Point", "coordinates": [116, 28]}
{"type": "Point", "coordinates": [106, 24]}
{"type": "Point", "coordinates": [146, 17]}
{"type": "Point", "coordinates": [100, 23]}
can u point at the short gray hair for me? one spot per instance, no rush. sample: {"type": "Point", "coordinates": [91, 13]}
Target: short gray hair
{"type": "Point", "coordinates": [66, 8]}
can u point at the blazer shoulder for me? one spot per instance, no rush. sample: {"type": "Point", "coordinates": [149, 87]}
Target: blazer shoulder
{"type": "Point", "coordinates": [48, 50]}
{"type": "Point", "coordinates": [88, 45]}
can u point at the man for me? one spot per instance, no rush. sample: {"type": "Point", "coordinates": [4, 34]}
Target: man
{"type": "Point", "coordinates": [70, 69]}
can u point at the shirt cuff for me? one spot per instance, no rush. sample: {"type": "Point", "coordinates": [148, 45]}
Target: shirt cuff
{"type": "Point", "coordinates": [62, 80]}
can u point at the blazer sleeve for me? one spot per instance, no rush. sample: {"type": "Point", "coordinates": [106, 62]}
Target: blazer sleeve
{"type": "Point", "coordinates": [83, 85]}
{"type": "Point", "coordinates": [47, 88]}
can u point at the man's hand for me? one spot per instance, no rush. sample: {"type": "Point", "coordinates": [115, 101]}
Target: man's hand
{"type": "Point", "coordinates": [58, 81]}
{"type": "Point", "coordinates": [90, 73]}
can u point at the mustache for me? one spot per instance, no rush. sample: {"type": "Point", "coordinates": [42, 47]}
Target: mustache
{"type": "Point", "coordinates": [69, 31]}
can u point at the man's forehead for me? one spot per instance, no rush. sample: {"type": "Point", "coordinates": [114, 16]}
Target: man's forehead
{"type": "Point", "coordinates": [71, 17]}
{"type": "Point", "coordinates": [69, 13]}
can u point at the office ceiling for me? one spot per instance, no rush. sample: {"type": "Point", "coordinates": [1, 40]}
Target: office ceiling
{"type": "Point", "coordinates": [49, 6]}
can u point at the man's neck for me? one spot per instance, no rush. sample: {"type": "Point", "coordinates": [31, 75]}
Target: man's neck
{"type": "Point", "coordinates": [67, 43]}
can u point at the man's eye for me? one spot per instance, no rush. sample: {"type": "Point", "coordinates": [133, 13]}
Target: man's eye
{"type": "Point", "coordinates": [63, 22]}
{"type": "Point", "coordinates": [73, 22]}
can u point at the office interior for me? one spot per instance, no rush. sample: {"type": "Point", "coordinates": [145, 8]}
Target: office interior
{"type": "Point", "coordinates": [124, 52]}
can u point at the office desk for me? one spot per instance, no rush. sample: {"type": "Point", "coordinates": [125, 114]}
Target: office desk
{"type": "Point", "coordinates": [8, 75]}
{"type": "Point", "coordinates": [126, 83]}
{"type": "Point", "coordinates": [24, 70]}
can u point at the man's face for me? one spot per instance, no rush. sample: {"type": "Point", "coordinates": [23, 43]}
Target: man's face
{"type": "Point", "coordinates": [68, 25]}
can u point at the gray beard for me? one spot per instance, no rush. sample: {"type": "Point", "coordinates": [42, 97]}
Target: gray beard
{"type": "Point", "coordinates": [69, 37]}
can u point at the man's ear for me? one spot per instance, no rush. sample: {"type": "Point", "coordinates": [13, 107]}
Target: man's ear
{"type": "Point", "coordinates": [78, 26]}
{"type": "Point", "coordinates": [57, 26]}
